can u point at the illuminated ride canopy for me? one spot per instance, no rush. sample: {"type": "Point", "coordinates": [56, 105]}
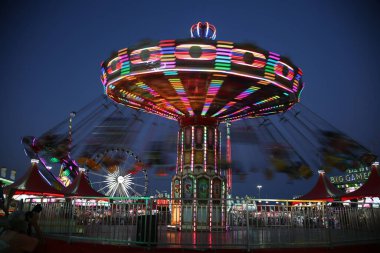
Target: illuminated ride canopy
{"type": "Point", "coordinates": [177, 79]}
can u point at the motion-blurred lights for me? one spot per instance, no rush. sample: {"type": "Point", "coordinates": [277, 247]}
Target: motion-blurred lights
{"type": "Point", "coordinates": [34, 161]}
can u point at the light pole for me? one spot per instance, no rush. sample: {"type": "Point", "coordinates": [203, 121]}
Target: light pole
{"type": "Point", "coordinates": [259, 187]}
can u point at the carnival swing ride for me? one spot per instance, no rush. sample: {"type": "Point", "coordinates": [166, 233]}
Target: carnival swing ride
{"type": "Point", "coordinates": [199, 83]}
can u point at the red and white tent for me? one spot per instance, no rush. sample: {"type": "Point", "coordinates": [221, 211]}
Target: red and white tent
{"type": "Point", "coordinates": [81, 187]}
{"type": "Point", "coordinates": [33, 183]}
{"type": "Point", "coordinates": [323, 190]}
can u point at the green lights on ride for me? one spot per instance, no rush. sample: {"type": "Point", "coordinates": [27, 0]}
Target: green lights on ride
{"type": "Point", "coordinates": [66, 173]}
{"type": "Point", "coordinates": [54, 160]}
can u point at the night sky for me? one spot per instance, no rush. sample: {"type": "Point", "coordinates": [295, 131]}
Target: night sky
{"type": "Point", "coordinates": [51, 53]}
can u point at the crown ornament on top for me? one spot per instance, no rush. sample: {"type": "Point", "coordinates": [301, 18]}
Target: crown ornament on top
{"type": "Point", "coordinates": [203, 30]}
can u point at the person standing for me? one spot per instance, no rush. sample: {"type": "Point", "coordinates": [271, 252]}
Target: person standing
{"type": "Point", "coordinates": [2, 199]}
{"type": "Point", "coordinates": [31, 218]}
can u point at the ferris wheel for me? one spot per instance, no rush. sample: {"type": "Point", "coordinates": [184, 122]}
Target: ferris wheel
{"type": "Point", "coordinates": [116, 172]}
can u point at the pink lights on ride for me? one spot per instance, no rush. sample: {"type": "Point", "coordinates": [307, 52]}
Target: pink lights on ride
{"type": "Point", "coordinates": [205, 149]}
{"type": "Point", "coordinates": [114, 66]}
{"type": "Point", "coordinates": [271, 108]}
{"type": "Point", "coordinates": [167, 54]}
{"type": "Point", "coordinates": [154, 94]}
{"type": "Point", "coordinates": [236, 112]}
{"type": "Point", "coordinates": [170, 107]}
{"type": "Point", "coordinates": [267, 100]}
{"type": "Point", "coordinates": [281, 67]}
{"type": "Point", "coordinates": [228, 158]}
{"type": "Point", "coordinates": [195, 52]}
{"type": "Point", "coordinates": [215, 151]}
{"type": "Point", "coordinates": [182, 141]}
{"type": "Point", "coordinates": [247, 92]}
{"type": "Point", "coordinates": [296, 81]}
{"type": "Point", "coordinates": [131, 96]}
{"type": "Point", "coordinates": [192, 149]}
{"type": "Point", "coordinates": [223, 55]}
{"type": "Point", "coordinates": [270, 65]}
{"type": "Point", "coordinates": [211, 93]}
{"type": "Point", "coordinates": [210, 210]}
{"type": "Point", "coordinates": [241, 96]}
{"type": "Point", "coordinates": [146, 55]}
{"type": "Point", "coordinates": [144, 87]}
{"type": "Point", "coordinates": [227, 106]}
{"type": "Point", "coordinates": [248, 58]}
{"type": "Point", "coordinates": [124, 60]}
{"type": "Point", "coordinates": [177, 85]}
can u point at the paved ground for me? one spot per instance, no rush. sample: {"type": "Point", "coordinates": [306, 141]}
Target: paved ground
{"type": "Point", "coordinates": [236, 238]}
{"type": "Point", "coordinates": [59, 246]}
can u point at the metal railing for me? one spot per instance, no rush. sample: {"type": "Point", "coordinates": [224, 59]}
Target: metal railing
{"type": "Point", "coordinates": [187, 223]}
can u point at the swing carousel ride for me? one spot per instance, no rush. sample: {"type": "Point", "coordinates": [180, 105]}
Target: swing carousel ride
{"type": "Point", "coordinates": [199, 83]}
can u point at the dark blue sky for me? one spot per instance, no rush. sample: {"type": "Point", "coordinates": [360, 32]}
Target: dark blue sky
{"type": "Point", "coordinates": [51, 53]}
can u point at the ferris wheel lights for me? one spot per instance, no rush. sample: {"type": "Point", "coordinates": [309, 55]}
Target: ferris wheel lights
{"type": "Point", "coordinates": [120, 179]}
{"type": "Point", "coordinates": [118, 176]}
